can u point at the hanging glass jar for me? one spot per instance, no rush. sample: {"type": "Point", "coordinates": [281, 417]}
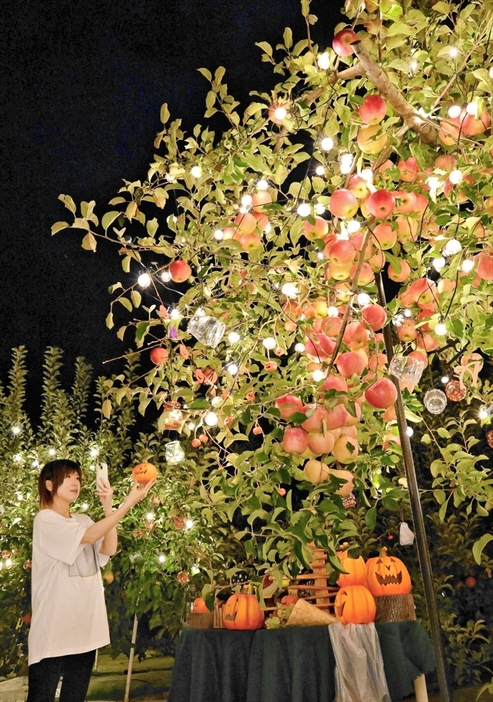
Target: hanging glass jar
{"type": "Point", "coordinates": [435, 401]}
{"type": "Point", "coordinates": [174, 453]}
{"type": "Point", "coordinates": [208, 330]}
{"type": "Point", "coordinates": [455, 391]}
{"type": "Point", "coordinates": [173, 417]}
{"type": "Point", "coordinates": [407, 369]}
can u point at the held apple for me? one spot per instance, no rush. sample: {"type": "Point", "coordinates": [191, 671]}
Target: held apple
{"type": "Point", "coordinates": [342, 41]}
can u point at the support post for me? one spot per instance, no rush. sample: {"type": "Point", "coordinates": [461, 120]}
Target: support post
{"type": "Point", "coordinates": [418, 520]}
{"type": "Point", "coordinates": [131, 660]}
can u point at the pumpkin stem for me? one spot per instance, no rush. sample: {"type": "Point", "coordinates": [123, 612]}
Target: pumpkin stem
{"type": "Point", "coordinates": [383, 551]}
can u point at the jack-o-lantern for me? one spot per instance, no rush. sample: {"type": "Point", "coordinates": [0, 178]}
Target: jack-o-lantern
{"type": "Point", "coordinates": [356, 570]}
{"type": "Point", "coordinates": [387, 575]}
{"type": "Point", "coordinates": [242, 611]}
{"type": "Point", "coordinates": [144, 472]}
{"type": "Point", "coordinates": [199, 606]}
{"type": "Point", "coordinates": [354, 604]}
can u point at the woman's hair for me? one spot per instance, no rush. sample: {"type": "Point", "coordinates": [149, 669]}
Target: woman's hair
{"type": "Point", "coordinates": [56, 471]}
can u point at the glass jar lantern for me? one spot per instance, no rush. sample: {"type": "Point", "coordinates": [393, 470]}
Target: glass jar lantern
{"type": "Point", "coordinates": [174, 453]}
{"type": "Point", "coordinates": [435, 401]}
{"type": "Point", "coordinates": [208, 330]}
{"type": "Point", "coordinates": [407, 369]}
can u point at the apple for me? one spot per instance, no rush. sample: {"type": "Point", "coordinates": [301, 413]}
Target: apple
{"type": "Point", "coordinates": [341, 252]}
{"type": "Point", "coordinates": [382, 394]}
{"type": "Point", "coordinates": [407, 229]}
{"type": "Point", "coordinates": [376, 259]}
{"type": "Point", "coordinates": [484, 265]}
{"type": "Point", "coordinates": [331, 326]}
{"type": "Point", "coordinates": [295, 440]}
{"type": "Point", "coordinates": [343, 203]}
{"type": "Point", "coordinates": [399, 275]}
{"type": "Point", "coordinates": [179, 271]}
{"type": "Point", "coordinates": [320, 442]}
{"type": "Point", "coordinates": [250, 242]}
{"type": "Point", "coordinates": [406, 202]}
{"type": "Point", "coordinates": [407, 331]}
{"type": "Point", "coordinates": [350, 363]}
{"type": "Point", "coordinates": [319, 346]}
{"type": "Point", "coordinates": [372, 139]}
{"type": "Point", "coordinates": [245, 222]}
{"type": "Point", "coordinates": [261, 198]}
{"type": "Point", "coordinates": [316, 415]}
{"type": "Point", "coordinates": [472, 125]}
{"type": "Point", "coordinates": [373, 109]}
{"type": "Point", "coordinates": [365, 275]}
{"type": "Point", "coordinates": [385, 235]}
{"type": "Point", "coordinates": [317, 230]}
{"type": "Point", "coordinates": [288, 405]}
{"type": "Point", "coordinates": [158, 355]}
{"type": "Point", "coordinates": [358, 186]}
{"type": "Point", "coordinates": [374, 315]}
{"type": "Point", "coordinates": [342, 41]}
{"type": "Point", "coordinates": [408, 169]}
{"type": "Point", "coordinates": [335, 272]}
{"type": "Point", "coordinates": [427, 342]}
{"type": "Point", "coordinates": [378, 362]}
{"type": "Point", "coordinates": [315, 471]}
{"type": "Point", "coordinates": [336, 417]}
{"type": "Point", "coordinates": [335, 382]}
{"type": "Point", "coordinates": [420, 356]}
{"type": "Point", "coordinates": [445, 162]}
{"type": "Point", "coordinates": [263, 222]}
{"type": "Point", "coordinates": [345, 449]}
{"type": "Point", "coordinates": [381, 203]}
{"type": "Point", "coordinates": [356, 336]}
{"type": "Point", "coordinates": [347, 487]}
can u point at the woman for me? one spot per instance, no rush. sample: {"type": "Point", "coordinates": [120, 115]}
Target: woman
{"type": "Point", "coordinates": [69, 620]}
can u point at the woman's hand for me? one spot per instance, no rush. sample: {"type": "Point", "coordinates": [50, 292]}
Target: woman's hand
{"type": "Point", "coordinates": [105, 493]}
{"type": "Point", "coordinates": [138, 492]}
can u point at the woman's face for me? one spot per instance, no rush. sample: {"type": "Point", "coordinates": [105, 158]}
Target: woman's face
{"type": "Point", "coordinates": [69, 490]}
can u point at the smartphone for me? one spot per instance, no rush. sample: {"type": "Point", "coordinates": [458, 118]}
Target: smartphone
{"type": "Point", "coordinates": [101, 472]}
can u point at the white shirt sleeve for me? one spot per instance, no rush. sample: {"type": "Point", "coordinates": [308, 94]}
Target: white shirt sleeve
{"type": "Point", "coordinates": [60, 537]}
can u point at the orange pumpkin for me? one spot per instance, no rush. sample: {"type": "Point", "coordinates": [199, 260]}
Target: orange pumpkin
{"type": "Point", "coordinates": [387, 575]}
{"type": "Point", "coordinates": [356, 570]}
{"type": "Point", "coordinates": [354, 604]}
{"type": "Point", "coordinates": [200, 606]}
{"type": "Point", "coordinates": [242, 611]}
{"type": "Point", "coordinates": [144, 473]}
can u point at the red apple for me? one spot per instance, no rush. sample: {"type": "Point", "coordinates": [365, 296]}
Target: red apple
{"type": "Point", "coordinates": [350, 363]}
{"type": "Point", "coordinates": [373, 109]}
{"type": "Point", "coordinates": [337, 417]}
{"type": "Point", "coordinates": [179, 271]}
{"type": "Point", "coordinates": [245, 222]}
{"type": "Point", "coordinates": [365, 275]}
{"type": "Point", "coordinates": [345, 449]}
{"type": "Point", "coordinates": [399, 275]}
{"type": "Point", "coordinates": [319, 346]}
{"type": "Point", "coordinates": [335, 272]}
{"type": "Point", "coordinates": [358, 186]}
{"type": "Point", "coordinates": [288, 405]}
{"type": "Point", "coordinates": [343, 203]}
{"type": "Point", "coordinates": [295, 440]}
{"type": "Point", "coordinates": [406, 202]}
{"type": "Point", "coordinates": [317, 230]}
{"type": "Point", "coordinates": [381, 203]}
{"type": "Point", "coordinates": [374, 315]}
{"type": "Point", "coordinates": [407, 331]}
{"type": "Point", "coordinates": [158, 355]}
{"type": "Point", "coordinates": [356, 336]}
{"type": "Point", "coordinates": [484, 265]}
{"type": "Point", "coordinates": [320, 442]}
{"type": "Point", "coordinates": [315, 471]}
{"type": "Point", "coordinates": [335, 382]}
{"type": "Point", "coordinates": [316, 415]}
{"type": "Point", "coordinates": [382, 394]}
{"type": "Point", "coordinates": [261, 198]}
{"type": "Point", "coordinates": [341, 252]}
{"type": "Point", "coordinates": [385, 235]}
{"type": "Point", "coordinates": [342, 41]}
{"type": "Point", "coordinates": [372, 139]}
{"type": "Point", "coordinates": [408, 169]}
{"type": "Point", "coordinates": [472, 125]}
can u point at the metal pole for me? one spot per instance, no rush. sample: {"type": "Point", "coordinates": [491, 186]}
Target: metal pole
{"type": "Point", "coordinates": [417, 513]}
{"type": "Point", "coordinates": [131, 660]}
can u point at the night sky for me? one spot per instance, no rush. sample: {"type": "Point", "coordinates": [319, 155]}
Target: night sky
{"type": "Point", "coordinates": [82, 84]}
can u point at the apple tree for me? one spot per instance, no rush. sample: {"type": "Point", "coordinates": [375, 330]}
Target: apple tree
{"type": "Point", "coordinates": [273, 265]}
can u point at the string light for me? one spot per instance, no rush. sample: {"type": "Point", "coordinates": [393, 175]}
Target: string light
{"type": "Point", "coordinates": [94, 452]}
{"type": "Point", "coordinates": [332, 311]}
{"type": "Point", "coordinates": [149, 516]}
{"type": "Point", "coordinates": [319, 208]}
{"type": "Point", "coordinates": [304, 209]}
{"type": "Point", "coordinates": [144, 280]}
{"type": "Point", "coordinates": [367, 174]}
{"type": "Point", "coordinates": [445, 379]}
{"type": "Point", "coordinates": [472, 108]}
{"type": "Point", "coordinates": [299, 348]}
{"type": "Point", "coordinates": [246, 200]}
{"type": "Point", "coordinates": [327, 144]}
{"type": "Point", "coordinates": [318, 375]}
{"type": "Point", "coordinates": [232, 368]}
{"type": "Point", "coordinates": [15, 430]}
{"type": "Point", "coordinates": [320, 170]}
{"type": "Point", "coordinates": [363, 300]}
{"type": "Point", "coordinates": [262, 185]}
{"type": "Point", "coordinates": [216, 401]}
{"type": "Point", "coordinates": [409, 431]}
{"type": "Point", "coordinates": [51, 452]}
{"type": "Point", "coordinates": [196, 171]}
{"type": "Point", "coordinates": [85, 505]}
{"type": "Point", "coordinates": [485, 411]}
{"type": "Point", "coordinates": [452, 247]}
{"type": "Point", "coordinates": [439, 263]}
{"type": "Point", "coordinates": [454, 52]}
{"type": "Point", "coordinates": [218, 235]}
{"type": "Point", "coordinates": [353, 226]}
{"type": "Point", "coordinates": [467, 265]}
{"type": "Point", "coordinates": [456, 176]}
{"type": "Point", "coordinates": [323, 61]}
{"type": "Point", "coordinates": [211, 419]}
{"type": "Point", "coordinates": [454, 111]}
{"type": "Point", "coordinates": [440, 329]}
{"type": "Point", "coordinates": [35, 464]}
{"type": "Point", "coordinates": [233, 337]}
{"type": "Point", "coordinates": [189, 523]}
{"type": "Point", "coordinates": [346, 163]}
{"type": "Point", "coordinates": [161, 558]}
{"type": "Point", "coordinates": [269, 343]}
{"type": "Point", "coordinates": [191, 426]}
{"type": "Point", "coordinates": [290, 290]}
{"type": "Point", "coordinates": [194, 570]}
{"type": "Point", "coordinates": [175, 313]}
{"type": "Point", "coordinates": [165, 276]}
{"type": "Point", "coordinates": [413, 65]}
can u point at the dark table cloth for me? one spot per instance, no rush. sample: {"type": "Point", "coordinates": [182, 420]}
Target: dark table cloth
{"type": "Point", "coordinates": [294, 664]}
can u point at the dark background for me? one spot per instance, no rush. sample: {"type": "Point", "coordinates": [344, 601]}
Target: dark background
{"type": "Point", "coordinates": [81, 88]}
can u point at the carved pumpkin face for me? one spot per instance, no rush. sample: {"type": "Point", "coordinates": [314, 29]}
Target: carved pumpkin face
{"type": "Point", "coordinates": [356, 570]}
{"type": "Point", "coordinates": [354, 604]}
{"type": "Point", "coordinates": [243, 612]}
{"type": "Point", "coordinates": [144, 473]}
{"type": "Point", "coordinates": [387, 575]}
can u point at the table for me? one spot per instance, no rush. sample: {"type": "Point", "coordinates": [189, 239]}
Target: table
{"type": "Point", "coordinates": [294, 664]}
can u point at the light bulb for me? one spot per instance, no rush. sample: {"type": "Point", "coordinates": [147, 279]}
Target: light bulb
{"type": "Point", "coordinates": [188, 523]}
{"type": "Point", "coordinates": [353, 226]}
{"type": "Point", "coordinates": [467, 265]}
{"type": "Point", "coordinates": [280, 113]}
{"type": "Point", "coordinates": [439, 263]}
{"type": "Point", "coordinates": [318, 375]}
{"type": "Point", "coordinates": [320, 170]}
{"type": "Point", "coordinates": [299, 348]}
{"type": "Point", "coordinates": [15, 430]}
{"type": "Point", "coordinates": [413, 65]}
{"type": "Point", "coordinates": [94, 452]}
{"type": "Point", "coordinates": [175, 313]}
{"type": "Point", "coordinates": [194, 570]}
{"type": "Point", "coordinates": [149, 516]}
{"type": "Point", "coordinates": [484, 412]}
{"type": "Point", "coordinates": [323, 61]}
{"type": "Point", "coordinates": [445, 379]}
{"type": "Point", "coordinates": [161, 558]}
{"type": "Point", "coordinates": [218, 235]}
{"type": "Point", "coordinates": [35, 464]}
{"type": "Point", "coordinates": [409, 431]}
{"type": "Point", "coordinates": [319, 208]}
{"type": "Point", "coordinates": [452, 247]}
{"type": "Point", "coordinates": [304, 209]}
{"type": "Point", "coordinates": [472, 108]}
{"type": "Point", "coordinates": [246, 200]}
{"type": "Point", "coordinates": [262, 185]}
{"type": "Point", "coordinates": [196, 171]}
{"type": "Point", "coordinates": [144, 280]}
{"type": "Point", "coordinates": [191, 426]}
{"type": "Point", "coordinates": [454, 52]}
{"type": "Point", "coordinates": [18, 458]}
{"type": "Point", "coordinates": [51, 452]}
{"type": "Point", "coordinates": [440, 329]}
{"type": "Point", "coordinates": [363, 299]}
{"type": "Point", "coordinates": [332, 311]}
{"type": "Point", "coordinates": [433, 182]}
{"type": "Point", "coordinates": [289, 289]}
{"type": "Point", "coordinates": [454, 111]}
{"type": "Point", "coordinates": [456, 176]}
{"type": "Point", "coordinates": [165, 276]}
{"type": "Point", "coordinates": [367, 174]}
{"type": "Point", "coordinates": [269, 343]}
{"type": "Point", "coordinates": [346, 163]}
{"type": "Point", "coordinates": [327, 144]}
{"type": "Point", "coordinates": [407, 313]}
{"type": "Point", "coordinates": [85, 505]}
{"type": "Point", "coordinates": [232, 368]}
{"type": "Point", "coordinates": [233, 337]}
{"type": "Point", "coordinates": [211, 419]}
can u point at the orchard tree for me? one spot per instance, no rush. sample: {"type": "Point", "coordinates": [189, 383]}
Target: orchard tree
{"type": "Point", "coordinates": [273, 266]}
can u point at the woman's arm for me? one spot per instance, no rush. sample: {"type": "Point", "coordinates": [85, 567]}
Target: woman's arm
{"type": "Point", "coordinates": [99, 530]}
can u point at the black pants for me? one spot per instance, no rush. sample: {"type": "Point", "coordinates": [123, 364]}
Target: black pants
{"type": "Point", "coordinates": [45, 676]}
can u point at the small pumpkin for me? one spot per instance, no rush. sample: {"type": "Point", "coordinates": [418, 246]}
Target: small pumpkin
{"type": "Point", "coordinates": [144, 472]}
{"type": "Point", "coordinates": [200, 606]}
{"type": "Point", "coordinates": [354, 604]}
{"type": "Point", "coordinates": [356, 570]}
{"type": "Point", "coordinates": [242, 611]}
{"type": "Point", "coordinates": [387, 575]}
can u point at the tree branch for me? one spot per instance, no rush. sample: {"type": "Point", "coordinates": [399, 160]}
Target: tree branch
{"type": "Point", "coordinates": [426, 131]}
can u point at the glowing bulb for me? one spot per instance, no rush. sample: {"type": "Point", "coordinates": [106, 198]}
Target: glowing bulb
{"type": "Point", "coordinates": [363, 299]}
{"type": "Point", "coordinates": [191, 426]}
{"type": "Point", "coordinates": [280, 113]}
{"type": "Point", "coordinates": [218, 235]}
{"type": "Point", "coordinates": [232, 368]}
{"type": "Point", "coordinates": [246, 200]}
{"type": "Point", "coordinates": [149, 516]}
{"type": "Point", "coordinates": [318, 375]}
{"type": "Point", "coordinates": [16, 430]}
{"type": "Point", "coordinates": [407, 313]}
{"type": "Point", "coordinates": [51, 452]}
{"type": "Point", "coordinates": [454, 52]}
{"type": "Point", "coordinates": [289, 289]}
{"type": "Point", "coordinates": [188, 523]}
{"type": "Point", "coordinates": [233, 337]}
{"type": "Point", "coordinates": [353, 226]}
{"type": "Point", "coordinates": [454, 111]}
{"type": "Point", "coordinates": [467, 265]}
{"type": "Point", "coordinates": [194, 570]}
{"type": "Point", "coordinates": [166, 276]}
{"type": "Point", "coordinates": [409, 431]}
{"type": "Point", "coordinates": [332, 311]}
{"type": "Point", "coordinates": [484, 412]}
{"type": "Point", "coordinates": [327, 144]}
{"type": "Point", "coordinates": [8, 562]}
{"type": "Point", "coordinates": [319, 208]}
{"type": "Point", "coordinates": [452, 247]}
{"type": "Point", "coordinates": [304, 209]}
{"type": "Point", "coordinates": [433, 182]}
{"type": "Point", "coordinates": [216, 401]}
{"type": "Point", "coordinates": [35, 464]}
{"type": "Point", "coordinates": [262, 185]}
{"type": "Point", "coordinates": [321, 255]}
{"type": "Point", "coordinates": [144, 280]}
{"type": "Point", "coordinates": [320, 170]}
{"type": "Point", "coordinates": [439, 263]}
{"type": "Point", "coordinates": [440, 329]}
{"type": "Point", "coordinates": [456, 176]}
{"type": "Point", "coordinates": [445, 379]}
{"type": "Point", "coordinates": [491, 72]}
{"type": "Point", "coordinates": [211, 419]}
{"type": "Point", "coordinates": [196, 171]}
{"type": "Point", "coordinates": [472, 108]}
{"type": "Point", "coordinates": [367, 174]}
{"type": "Point", "coordinates": [269, 343]}
{"type": "Point", "coordinates": [94, 452]}
{"type": "Point", "coordinates": [346, 163]}
{"type": "Point", "coordinates": [413, 65]}
{"type": "Point", "coordinates": [323, 61]}
{"type": "Point", "coordinates": [175, 313]}
{"type": "Point", "coordinates": [161, 558]}
{"type": "Point", "coordinates": [299, 348]}
{"type": "Point", "coordinates": [85, 505]}
{"type": "Point", "coordinates": [18, 458]}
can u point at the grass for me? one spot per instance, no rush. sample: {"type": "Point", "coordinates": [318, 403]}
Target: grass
{"type": "Point", "coordinates": [150, 678]}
